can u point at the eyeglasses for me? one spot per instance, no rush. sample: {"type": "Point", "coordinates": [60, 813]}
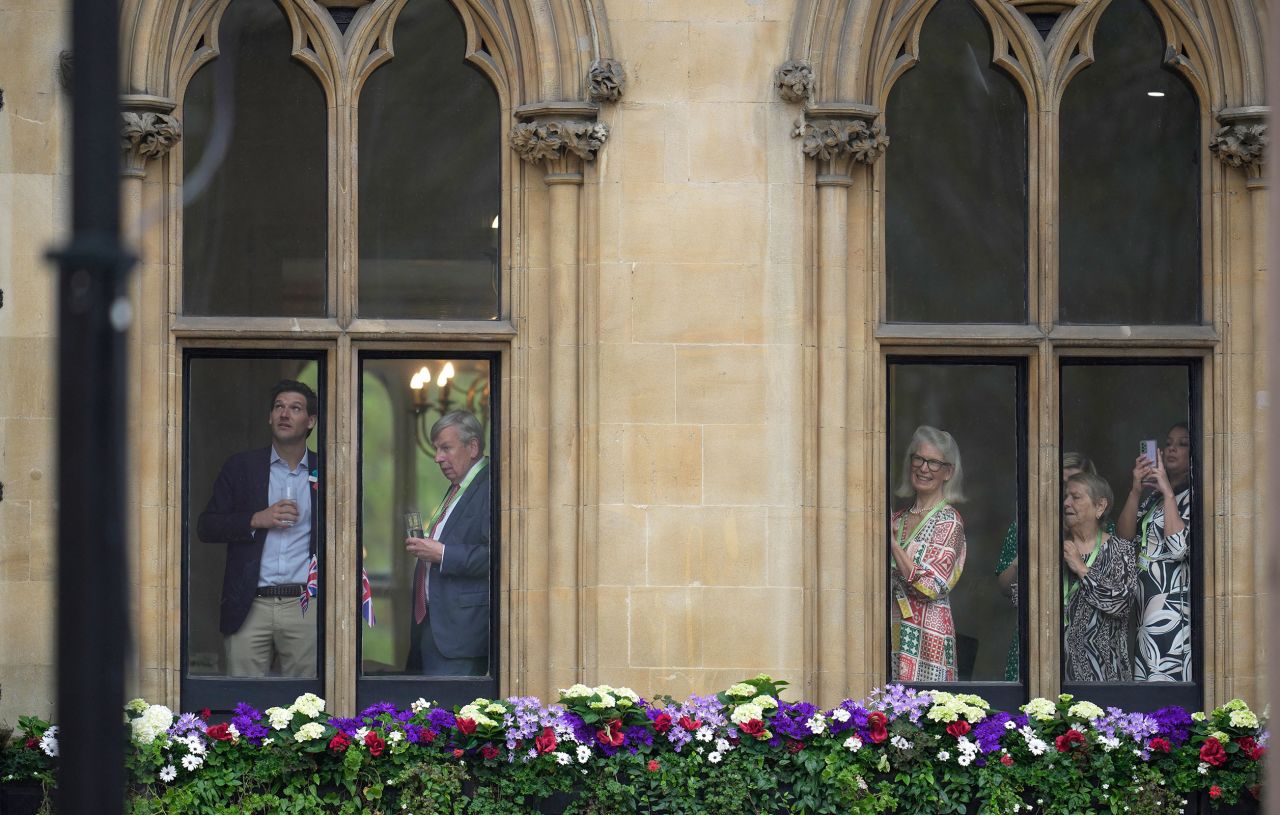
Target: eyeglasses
{"type": "Point", "coordinates": [932, 463]}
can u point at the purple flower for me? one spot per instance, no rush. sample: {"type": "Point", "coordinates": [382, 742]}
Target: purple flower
{"type": "Point", "coordinates": [987, 732]}
{"type": "Point", "coordinates": [1174, 723]}
{"type": "Point", "coordinates": [897, 701]}
{"type": "Point", "coordinates": [346, 725]}
{"type": "Point", "coordinates": [638, 734]}
{"type": "Point", "coordinates": [791, 720]}
{"type": "Point", "coordinates": [187, 723]}
{"type": "Point", "coordinates": [243, 710]}
{"type": "Point", "coordinates": [375, 710]}
{"type": "Point", "coordinates": [413, 733]}
{"type": "Point", "coordinates": [440, 718]}
{"type": "Point", "coordinates": [857, 717]}
{"type": "Point", "coordinates": [254, 732]}
{"type": "Point", "coordinates": [404, 715]}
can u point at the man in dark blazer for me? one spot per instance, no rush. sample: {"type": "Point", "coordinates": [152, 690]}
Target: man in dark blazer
{"type": "Point", "coordinates": [266, 509]}
{"type": "Point", "coordinates": [450, 599]}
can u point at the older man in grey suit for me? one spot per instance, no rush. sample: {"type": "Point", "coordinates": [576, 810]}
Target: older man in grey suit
{"type": "Point", "coordinates": [450, 632]}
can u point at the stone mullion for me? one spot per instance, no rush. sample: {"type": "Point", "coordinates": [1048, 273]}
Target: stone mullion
{"type": "Point", "coordinates": [148, 133]}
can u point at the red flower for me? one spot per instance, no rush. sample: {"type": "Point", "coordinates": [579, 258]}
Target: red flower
{"type": "Point", "coordinates": [339, 742]}
{"type": "Point", "coordinates": [755, 727]}
{"type": "Point", "coordinates": [690, 724]}
{"type": "Point", "coordinates": [662, 723]}
{"type": "Point", "coordinates": [1068, 740]}
{"type": "Point", "coordinates": [205, 714]}
{"type": "Point", "coordinates": [958, 728]}
{"type": "Point", "coordinates": [467, 726]}
{"type": "Point", "coordinates": [794, 746]}
{"type": "Point", "coordinates": [489, 751]}
{"type": "Point", "coordinates": [457, 752]}
{"type": "Point", "coordinates": [545, 742]}
{"type": "Point", "coordinates": [428, 736]}
{"type": "Point", "coordinates": [33, 743]}
{"type": "Point", "coordinates": [1212, 752]}
{"type": "Point", "coordinates": [221, 732]}
{"type": "Point", "coordinates": [878, 727]}
{"type": "Point", "coordinates": [375, 743]}
{"type": "Point", "coordinates": [1006, 760]}
{"type": "Point", "coordinates": [1215, 791]}
{"type": "Point", "coordinates": [611, 735]}
{"type": "Point", "coordinates": [1159, 745]}
{"type": "Point", "coordinates": [653, 762]}
{"type": "Point", "coordinates": [1250, 748]}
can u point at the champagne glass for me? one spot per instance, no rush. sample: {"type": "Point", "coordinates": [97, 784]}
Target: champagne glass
{"type": "Point", "coordinates": [413, 524]}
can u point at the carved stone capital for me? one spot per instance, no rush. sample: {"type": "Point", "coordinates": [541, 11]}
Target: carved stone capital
{"type": "Point", "coordinates": [605, 81]}
{"type": "Point", "coordinates": [794, 80]}
{"type": "Point", "coordinates": [146, 135]}
{"type": "Point", "coordinates": [1242, 140]}
{"type": "Point", "coordinates": [557, 139]}
{"type": "Point", "coordinates": [834, 140]}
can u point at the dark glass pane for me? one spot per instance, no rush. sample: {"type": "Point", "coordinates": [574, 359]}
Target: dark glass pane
{"type": "Point", "coordinates": [429, 176]}
{"type": "Point", "coordinates": [255, 225]}
{"type": "Point", "coordinates": [1132, 618]}
{"type": "Point", "coordinates": [958, 560]}
{"type": "Point", "coordinates": [404, 470]}
{"type": "Point", "coordinates": [231, 430]}
{"type": "Point", "coordinates": [1130, 181]}
{"type": "Point", "coordinates": [956, 189]}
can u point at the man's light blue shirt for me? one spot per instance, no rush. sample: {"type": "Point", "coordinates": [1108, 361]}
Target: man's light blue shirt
{"type": "Point", "coordinates": [287, 551]}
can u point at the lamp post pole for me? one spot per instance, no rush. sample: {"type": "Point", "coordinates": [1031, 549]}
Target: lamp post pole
{"type": "Point", "coordinates": [93, 315]}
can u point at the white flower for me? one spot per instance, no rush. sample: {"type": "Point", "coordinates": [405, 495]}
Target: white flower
{"type": "Point", "coordinates": [853, 744]}
{"type": "Point", "coordinates": [360, 734]}
{"type": "Point", "coordinates": [746, 712]}
{"type": "Point", "coordinates": [279, 717]}
{"type": "Point", "coordinates": [816, 724]}
{"type": "Point", "coordinates": [584, 753]}
{"type": "Point", "coordinates": [626, 693]}
{"type": "Point", "coordinates": [576, 691]}
{"type": "Point", "coordinates": [766, 702]}
{"type": "Point", "coordinates": [1085, 710]}
{"type": "Point", "coordinates": [605, 701]}
{"type": "Point", "coordinates": [1202, 768]}
{"type": "Point", "coordinates": [723, 745]}
{"type": "Point", "coordinates": [195, 744]}
{"type": "Point", "coordinates": [420, 705]}
{"type": "Point", "coordinates": [943, 755]}
{"type": "Point", "coordinates": [562, 758]}
{"type": "Point", "coordinates": [965, 759]}
{"type": "Point", "coordinates": [1010, 725]}
{"type": "Point", "coordinates": [900, 743]}
{"type": "Point", "coordinates": [1108, 743]}
{"type": "Point", "coordinates": [309, 705]}
{"type": "Point", "coordinates": [741, 689]}
{"type": "Point", "coordinates": [395, 736]}
{"type": "Point", "coordinates": [136, 705]}
{"type": "Point", "coordinates": [168, 773]}
{"type": "Point", "coordinates": [234, 733]}
{"type": "Point", "coordinates": [840, 714]}
{"type": "Point", "coordinates": [1106, 786]}
{"type": "Point", "coordinates": [153, 721]}
{"type": "Point", "coordinates": [309, 732]}
{"type": "Point", "coordinates": [713, 757]}
{"type": "Point", "coordinates": [190, 763]}
{"type": "Point", "coordinates": [49, 742]}
{"type": "Point", "coordinates": [705, 733]}
{"type": "Point", "coordinates": [1243, 718]}
{"type": "Point", "coordinates": [1040, 709]}
{"type": "Point", "coordinates": [1198, 716]}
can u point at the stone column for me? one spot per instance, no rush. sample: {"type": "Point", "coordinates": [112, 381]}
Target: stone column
{"type": "Point", "coordinates": [148, 133]}
{"type": "Point", "coordinates": [561, 137]}
{"type": "Point", "coordinates": [845, 142]}
{"type": "Point", "coordinates": [1241, 144]}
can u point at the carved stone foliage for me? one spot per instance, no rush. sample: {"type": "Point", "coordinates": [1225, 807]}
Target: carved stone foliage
{"type": "Point", "coordinates": [828, 140]}
{"type": "Point", "coordinates": [1240, 145]}
{"type": "Point", "coordinates": [538, 141]}
{"type": "Point", "coordinates": [147, 135]}
{"type": "Point", "coordinates": [605, 81]}
{"type": "Point", "coordinates": [794, 80]}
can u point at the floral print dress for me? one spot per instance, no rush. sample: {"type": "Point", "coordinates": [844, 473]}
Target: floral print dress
{"type": "Point", "coordinates": [1164, 594]}
{"type": "Point", "coordinates": [924, 634]}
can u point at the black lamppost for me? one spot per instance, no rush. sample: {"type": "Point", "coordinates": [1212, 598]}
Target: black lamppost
{"type": "Point", "coordinates": [93, 315]}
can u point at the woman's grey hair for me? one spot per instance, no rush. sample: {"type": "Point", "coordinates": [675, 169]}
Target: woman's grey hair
{"type": "Point", "coordinates": [468, 427]}
{"type": "Point", "coordinates": [1098, 489]}
{"type": "Point", "coordinates": [953, 489]}
{"type": "Point", "coordinates": [1078, 461]}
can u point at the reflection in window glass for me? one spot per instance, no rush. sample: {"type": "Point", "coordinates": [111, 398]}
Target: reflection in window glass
{"type": "Point", "coordinates": [956, 205]}
{"type": "Point", "coordinates": [954, 536]}
{"type": "Point", "coordinates": [1128, 596]}
{"type": "Point", "coordinates": [254, 235]}
{"type": "Point", "coordinates": [425, 436]}
{"type": "Point", "coordinates": [429, 176]}
{"type": "Point", "coordinates": [1130, 181]}
{"type": "Point", "coordinates": [255, 517]}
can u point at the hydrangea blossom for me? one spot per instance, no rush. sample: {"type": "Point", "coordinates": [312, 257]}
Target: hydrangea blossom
{"type": "Point", "coordinates": [153, 721]}
{"type": "Point", "coordinates": [309, 705]}
{"type": "Point", "coordinates": [309, 732]}
{"type": "Point", "coordinates": [1040, 709]}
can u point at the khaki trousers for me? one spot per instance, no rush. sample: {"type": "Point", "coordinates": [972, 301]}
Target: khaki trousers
{"type": "Point", "coordinates": [275, 633]}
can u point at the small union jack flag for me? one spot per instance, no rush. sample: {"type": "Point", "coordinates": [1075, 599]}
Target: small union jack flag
{"type": "Point", "coordinates": [313, 583]}
{"type": "Point", "coordinates": [366, 600]}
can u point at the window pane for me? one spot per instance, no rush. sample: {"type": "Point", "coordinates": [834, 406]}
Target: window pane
{"type": "Point", "coordinates": [429, 176]}
{"type": "Point", "coordinates": [956, 189]}
{"type": "Point", "coordinates": [254, 518]}
{"type": "Point", "coordinates": [433, 619]}
{"type": "Point", "coordinates": [1130, 181]}
{"type": "Point", "coordinates": [254, 229]}
{"type": "Point", "coordinates": [1128, 616]}
{"type": "Point", "coordinates": [954, 530]}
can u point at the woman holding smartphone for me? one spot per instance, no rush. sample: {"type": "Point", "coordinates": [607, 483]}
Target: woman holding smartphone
{"type": "Point", "coordinates": [1159, 523]}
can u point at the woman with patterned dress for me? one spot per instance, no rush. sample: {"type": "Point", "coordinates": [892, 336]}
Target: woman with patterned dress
{"type": "Point", "coordinates": [1098, 585]}
{"type": "Point", "coordinates": [1160, 525]}
{"type": "Point", "coordinates": [926, 541]}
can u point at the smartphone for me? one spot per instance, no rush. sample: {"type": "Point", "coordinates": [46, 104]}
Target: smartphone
{"type": "Point", "coordinates": [1148, 448]}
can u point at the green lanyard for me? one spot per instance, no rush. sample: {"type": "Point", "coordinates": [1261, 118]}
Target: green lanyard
{"type": "Point", "coordinates": [1068, 588]}
{"type": "Point", "coordinates": [902, 524]}
{"type": "Point", "coordinates": [466, 482]}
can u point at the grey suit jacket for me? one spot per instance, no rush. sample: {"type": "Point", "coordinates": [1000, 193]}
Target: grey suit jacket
{"type": "Point", "coordinates": [459, 587]}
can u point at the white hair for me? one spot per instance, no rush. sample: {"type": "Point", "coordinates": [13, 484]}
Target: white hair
{"type": "Point", "coordinates": [953, 489]}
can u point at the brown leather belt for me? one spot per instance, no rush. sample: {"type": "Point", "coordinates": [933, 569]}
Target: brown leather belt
{"type": "Point", "coordinates": [283, 590]}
